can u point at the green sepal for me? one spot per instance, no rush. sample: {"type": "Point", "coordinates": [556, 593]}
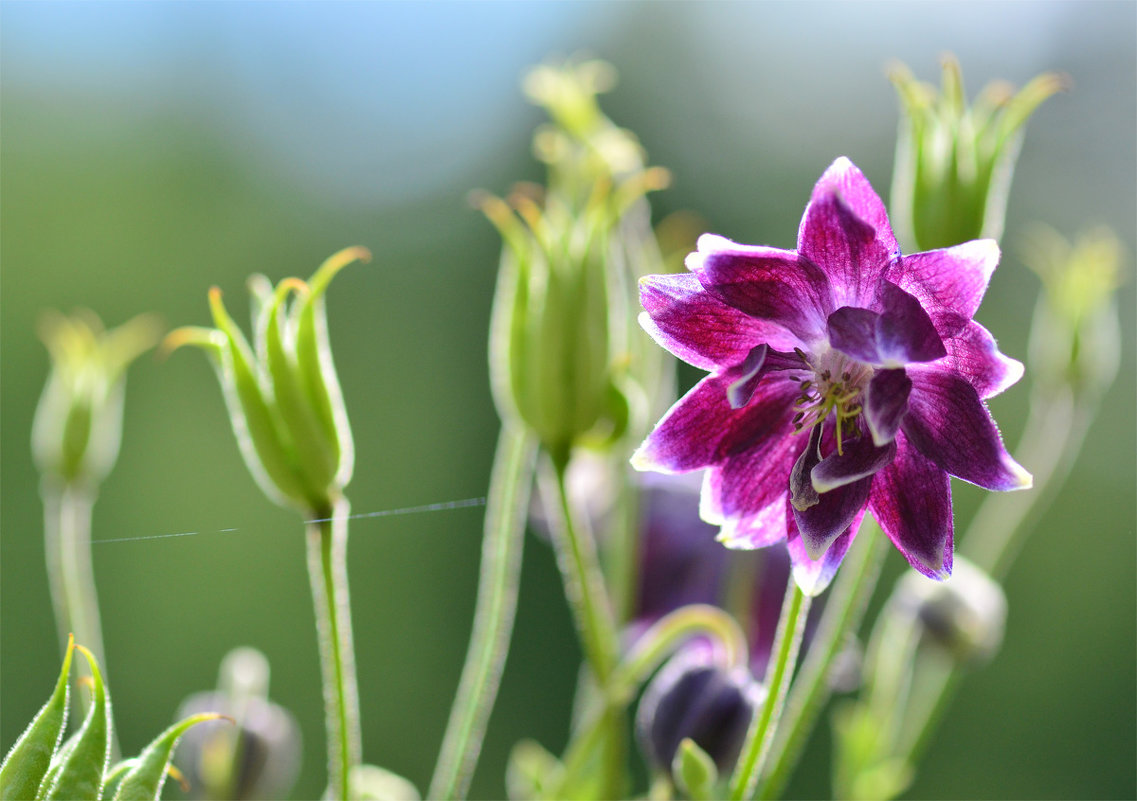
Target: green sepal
{"type": "Point", "coordinates": [56, 763]}
{"type": "Point", "coordinates": [314, 361]}
{"type": "Point", "coordinates": [316, 452]}
{"type": "Point", "coordinates": [28, 761]}
{"type": "Point", "coordinates": [115, 776]}
{"type": "Point", "coordinates": [694, 771]}
{"type": "Point", "coordinates": [257, 429]}
{"type": "Point", "coordinates": [80, 774]}
{"type": "Point", "coordinates": [143, 782]}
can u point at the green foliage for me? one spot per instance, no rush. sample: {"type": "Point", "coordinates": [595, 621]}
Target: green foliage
{"type": "Point", "coordinates": [38, 767]}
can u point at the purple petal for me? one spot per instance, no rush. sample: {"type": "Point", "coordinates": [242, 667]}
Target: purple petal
{"type": "Point", "coordinates": [764, 528]}
{"type": "Point", "coordinates": [802, 493]}
{"type": "Point", "coordinates": [741, 390]}
{"type": "Point", "coordinates": [904, 332]}
{"type": "Point", "coordinates": [687, 437]}
{"type": "Point", "coordinates": [975, 356]}
{"type": "Point", "coordinates": [886, 403]}
{"type": "Point", "coordinates": [845, 232]}
{"type": "Point", "coordinates": [754, 459]}
{"type": "Point", "coordinates": [852, 331]}
{"type": "Point", "coordinates": [822, 523]}
{"type": "Point", "coordinates": [699, 328]}
{"type": "Point", "coordinates": [859, 459]}
{"type": "Point", "coordinates": [911, 499]}
{"type": "Point", "coordinates": [948, 423]}
{"type": "Point", "coordinates": [772, 285]}
{"type": "Point", "coordinates": [814, 575]}
{"type": "Point", "coordinates": [952, 280]}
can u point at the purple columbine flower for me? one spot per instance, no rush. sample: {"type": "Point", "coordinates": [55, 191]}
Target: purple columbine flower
{"type": "Point", "coordinates": [844, 376]}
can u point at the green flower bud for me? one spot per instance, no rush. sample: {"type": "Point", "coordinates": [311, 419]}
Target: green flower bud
{"type": "Point", "coordinates": [562, 322]}
{"type": "Point", "coordinates": [1075, 338]}
{"type": "Point", "coordinates": [964, 614]}
{"type": "Point", "coordinates": [954, 163]}
{"type": "Point", "coordinates": [283, 397]}
{"type": "Point", "coordinates": [78, 424]}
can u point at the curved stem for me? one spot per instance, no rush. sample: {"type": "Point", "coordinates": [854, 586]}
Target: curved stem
{"type": "Point", "coordinates": [588, 599]}
{"type": "Point", "coordinates": [71, 575]}
{"type": "Point", "coordinates": [504, 538]}
{"type": "Point", "coordinates": [327, 569]}
{"type": "Point", "coordinates": [756, 749]}
{"type": "Point", "coordinates": [842, 618]}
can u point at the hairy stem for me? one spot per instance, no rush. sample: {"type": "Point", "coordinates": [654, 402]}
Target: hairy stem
{"type": "Point", "coordinates": [327, 568]}
{"type": "Point", "coordinates": [504, 538]}
{"type": "Point", "coordinates": [755, 751]}
{"type": "Point", "coordinates": [841, 619]}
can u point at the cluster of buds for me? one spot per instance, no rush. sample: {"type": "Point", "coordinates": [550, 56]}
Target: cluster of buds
{"type": "Point", "coordinates": [954, 162]}
{"type": "Point", "coordinates": [284, 397]}
{"type": "Point", "coordinates": [562, 322]}
{"type": "Point", "coordinates": [78, 423]}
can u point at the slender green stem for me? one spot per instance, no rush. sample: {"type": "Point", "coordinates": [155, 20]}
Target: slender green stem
{"type": "Point", "coordinates": [841, 619]}
{"type": "Point", "coordinates": [71, 575]}
{"type": "Point", "coordinates": [620, 546]}
{"type": "Point", "coordinates": [327, 568]}
{"type": "Point", "coordinates": [584, 583]}
{"type": "Point", "coordinates": [795, 610]}
{"type": "Point", "coordinates": [592, 612]}
{"type": "Point", "coordinates": [504, 538]}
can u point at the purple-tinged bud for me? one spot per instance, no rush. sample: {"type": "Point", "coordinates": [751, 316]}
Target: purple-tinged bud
{"type": "Point", "coordinates": [259, 756]}
{"type": "Point", "coordinates": [694, 696]}
{"type": "Point", "coordinates": [965, 614]}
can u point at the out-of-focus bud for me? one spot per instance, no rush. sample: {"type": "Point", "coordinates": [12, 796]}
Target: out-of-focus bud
{"type": "Point", "coordinates": [1075, 338]}
{"type": "Point", "coordinates": [259, 756]}
{"type": "Point", "coordinates": [78, 423]}
{"type": "Point", "coordinates": [284, 397]}
{"type": "Point", "coordinates": [559, 352]}
{"type": "Point", "coordinates": [954, 163]}
{"type": "Point", "coordinates": [695, 696]}
{"type": "Point", "coordinates": [964, 614]}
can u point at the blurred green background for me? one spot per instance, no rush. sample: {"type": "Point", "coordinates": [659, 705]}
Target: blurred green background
{"type": "Point", "coordinates": [152, 150]}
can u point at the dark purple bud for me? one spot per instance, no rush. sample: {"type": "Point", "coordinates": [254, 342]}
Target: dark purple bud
{"type": "Point", "coordinates": [695, 696]}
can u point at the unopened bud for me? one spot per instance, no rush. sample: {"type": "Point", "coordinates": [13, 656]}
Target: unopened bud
{"type": "Point", "coordinates": [695, 696]}
{"type": "Point", "coordinates": [964, 614]}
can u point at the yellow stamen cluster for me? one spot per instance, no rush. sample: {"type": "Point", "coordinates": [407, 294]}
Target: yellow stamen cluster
{"type": "Point", "coordinates": [827, 393]}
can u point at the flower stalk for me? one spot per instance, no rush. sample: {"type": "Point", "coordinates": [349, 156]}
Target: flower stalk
{"type": "Point", "coordinates": [326, 537]}
{"type": "Point", "coordinates": [494, 614]}
{"type": "Point", "coordinates": [783, 658]}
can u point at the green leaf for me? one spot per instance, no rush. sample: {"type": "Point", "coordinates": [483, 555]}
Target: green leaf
{"type": "Point", "coordinates": [532, 772]}
{"type": "Point", "coordinates": [694, 771]}
{"type": "Point", "coordinates": [115, 776]}
{"type": "Point", "coordinates": [28, 762]}
{"type": "Point", "coordinates": [80, 775]}
{"type": "Point", "coordinates": [144, 780]}
{"type": "Point", "coordinates": [372, 783]}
